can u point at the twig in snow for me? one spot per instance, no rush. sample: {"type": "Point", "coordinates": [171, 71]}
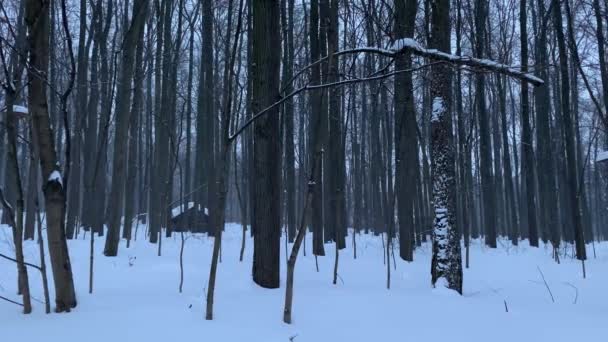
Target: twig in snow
{"type": "Point", "coordinates": [11, 301]}
{"type": "Point", "coordinates": [291, 338]}
{"type": "Point", "coordinates": [546, 285]}
{"type": "Point", "coordinates": [15, 260]}
{"type": "Point", "coordinates": [575, 288]}
{"type": "Point", "coordinates": [37, 300]}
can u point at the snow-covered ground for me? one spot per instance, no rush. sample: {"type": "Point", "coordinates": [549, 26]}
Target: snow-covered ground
{"type": "Point", "coordinates": [136, 296]}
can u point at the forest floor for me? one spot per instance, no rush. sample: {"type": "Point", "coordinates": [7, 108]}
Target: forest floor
{"type": "Point", "coordinates": [136, 296]}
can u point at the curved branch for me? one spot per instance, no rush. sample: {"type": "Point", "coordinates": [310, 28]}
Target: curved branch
{"type": "Point", "coordinates": [321, 86]}
{"type": "Point", "coordinates": [409, 45]}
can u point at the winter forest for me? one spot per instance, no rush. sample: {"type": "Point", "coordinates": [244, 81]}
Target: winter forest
{"type": "Point", "coordinates": [303, 170]}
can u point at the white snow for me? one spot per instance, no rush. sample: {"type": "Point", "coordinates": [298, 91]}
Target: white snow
{"type": "Point", "coordinates": [136, 296]}
{"type": "Point", "coordinates": [438, 109]}
{"type": "Point", "coordinates": [180, 209]}
{"type": "Point", "coordinates": [55, 176]}
{"type": "Point", "coordinates": [602, 156]}
{"type": "Point", "coordinates": [19, 109]}
{"type": "Point", "coordinates": [415, 47]}
{"type": "Point", "coordinates": [405, 42]}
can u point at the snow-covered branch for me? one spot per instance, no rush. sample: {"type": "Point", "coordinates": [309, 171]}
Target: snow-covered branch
{"type": "Point", "coordinates": [405, 45]}
{"type": "Point", "coordinates": [602, 156]}
{"type": "Point", "coordinates": [400, 47]}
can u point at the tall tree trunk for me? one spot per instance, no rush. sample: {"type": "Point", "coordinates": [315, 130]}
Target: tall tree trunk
{"type": "Point", "coordinates": [405, 132]}
{"type": "Point", "coordinates": [205, 116]}
{"type": "Point", "coordinates": [106, 81]}
{"type": "Point", "coordinates": [267, 148]}
{"type": "Point", "coordinates": [542, 100]}
{"type": "Point", "coordinates": [568, 127]}
{"type": "Point", "coordinates": [287, 16]}
{"type": "Point", "coordinates": [74, 189]}
{"type": "Point", "coordinates": [314, 135]}
{"type": "Point", "coordinates": [37, 19]}
{"type": "Point", "coordinates": [527, 148]}
{"type": "Point", "coordinates": [91, 125]}
{"type": "Point", "coordinates": [485, 144]}
{"type": "Point", "coordinates": [16, 217]}
{"type": "Point", "coordinates": [133, 140]}
{"type": "Point", "coordinates": [335, 166]}
{"type": "Point", "coordinates": [446, 263]}
{"type": "Point", "coordinates": [224, 153]}
{"type": "Point", "coordinates": [123, 114]}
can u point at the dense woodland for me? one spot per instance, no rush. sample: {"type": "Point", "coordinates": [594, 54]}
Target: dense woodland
{"type": "Point", "coordinates": [436, 121]}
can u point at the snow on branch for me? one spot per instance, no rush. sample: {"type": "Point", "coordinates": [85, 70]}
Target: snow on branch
{"type": "Point", "coordinates": [19, 109]}
{"type": "Point", "coordinates": [410, 45]}
{"type": "Point", "coordinates": [55, 176]}
{"type": "Point", "coordinates": [602, 156]}
{"type": "Point", "coordinates": [399, 47]}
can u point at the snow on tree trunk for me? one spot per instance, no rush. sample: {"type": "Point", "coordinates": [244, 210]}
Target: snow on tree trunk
{"type": "Point", "coordinates": [446, 265]}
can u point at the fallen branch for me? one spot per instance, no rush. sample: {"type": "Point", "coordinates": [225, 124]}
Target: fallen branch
{"type": "Point", "coordinates": [546, 285]}
{"type": "Point", "coordinates": [575, 288]}
{"type": "Point", "coordinates": [11, 301]}
{"type": "Point", "coordinates": [25, 263]}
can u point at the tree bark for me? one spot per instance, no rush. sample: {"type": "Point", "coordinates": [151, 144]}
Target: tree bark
{"type": "Point", "coordinates": [267, 147]}
{"type": "Point", "coordinates": [37, 19]}
{"type": "Point", "coordinates": [446, 263]}
{"type": "Point", "coordinates": [406, 143]}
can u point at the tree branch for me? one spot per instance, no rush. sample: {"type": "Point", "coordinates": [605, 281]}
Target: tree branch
{"type": "Point", "coordinates": [11, 301]}
{"type": "Point", "coordinates": [322, 86]}
{"type": "Point", "coordinates": [25, 263]}
{"type": "Point", "coordinates": [408, 45]}
{"type": "Point", "coordinates": [66, 94]}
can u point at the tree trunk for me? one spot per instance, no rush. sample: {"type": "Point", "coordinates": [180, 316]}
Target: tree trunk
{"type": "Point", "coordinates": [123, 100]}
{"type": "Point", "coordinates": [314, 134]}
{"type": "Point", "coordinates": [133, 139]}
{"type": "Point", "coordinates": [37, 19]}
{"type": "Point", "coordinates": [267, 148]}
{"type": "Point", "coordinates": [74, 189]}
{"type": "Point", "coordinates": [446, 263]}
{"type": "Point", "coordinates": [406, 142]}
{"type": "Point", "coordinates": [526, 139]}
{"type": "Point", "coordinates": [488, 195]}
{"type": "Point", "coordinates": [568, 127]}
{"type": "Point", "coordinates": [16, 217]}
